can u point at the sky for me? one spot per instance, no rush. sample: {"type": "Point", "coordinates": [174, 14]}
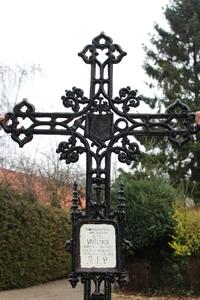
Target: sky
{"type": "Point", "coordinates": [51, 33]}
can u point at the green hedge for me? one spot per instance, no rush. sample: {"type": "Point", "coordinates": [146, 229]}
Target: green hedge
{"type": "Point", "coordinates": [149, 209]}
{"type": "Point", "coordinates": [32, 238]}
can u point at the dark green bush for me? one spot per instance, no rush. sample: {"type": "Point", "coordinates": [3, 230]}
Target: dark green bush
{"type": "Point", "coordinates": [32, 238]}
{"type": "Point", "coordinates": [148, 208]}
{"type": "Point", "coordinates": [165, 236]}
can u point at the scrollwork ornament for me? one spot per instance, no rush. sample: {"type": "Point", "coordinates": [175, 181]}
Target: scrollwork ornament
{"type": "Point", "coordinates": [100, 105]}
{"type": "Point", "coordinates": [74, 98]}
{"type": "Point", "coordinates": [128, 152]}
{"type": "Point", "coordinates": [129, 98]}
{"type": "Point", "coordinates": [69, 150]}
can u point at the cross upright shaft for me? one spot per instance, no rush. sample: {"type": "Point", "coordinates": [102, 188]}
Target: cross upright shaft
{"type": "Point", "coordinates": [99, 119]}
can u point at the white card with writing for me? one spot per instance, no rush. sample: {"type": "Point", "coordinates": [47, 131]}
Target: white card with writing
{"type": "Point", "coordinates": [97, 246]}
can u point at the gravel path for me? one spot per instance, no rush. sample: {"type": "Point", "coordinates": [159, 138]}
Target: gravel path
{"type": "Point", "coordinates": [55, 290]}
{"type": "Point", "coordinates": [62, 290]}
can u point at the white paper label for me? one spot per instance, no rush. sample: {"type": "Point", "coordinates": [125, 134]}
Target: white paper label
{"type": "Point", "coordinates": [97, 246]}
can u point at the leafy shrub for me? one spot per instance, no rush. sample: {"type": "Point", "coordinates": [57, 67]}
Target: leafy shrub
{"type": "Point", "coordinates": [186, 237]}
{"type": "Point", "coordinates": [148, 208]}
{"type": "Point", "coordinates": [158, 227]}
{"type": "Point", "coordinates": [32, 238]}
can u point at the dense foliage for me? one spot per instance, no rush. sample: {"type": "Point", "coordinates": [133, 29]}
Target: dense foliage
{"type": "Point", "coordinates": [32, 238]}
{"type": "Point", "coordinates": [165, 236]}
{"type": "Point", "coordinates": [186, 237]}
{"type": "Point", "coordinates": [173, 62]}
{"type": "Point", "coordinates": [149, 208]}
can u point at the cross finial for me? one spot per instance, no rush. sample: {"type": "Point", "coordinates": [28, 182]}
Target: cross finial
{"type": "Point", "coordinates": [102, 69]}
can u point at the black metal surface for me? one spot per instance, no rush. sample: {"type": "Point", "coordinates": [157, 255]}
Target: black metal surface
{"type": "Point", "coordinates": [98, 126]}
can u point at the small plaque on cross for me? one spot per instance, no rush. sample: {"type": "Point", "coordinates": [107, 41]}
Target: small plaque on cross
{"type": "Point", "coordinates": [97, 246]}
{"type": "Point", "coordinates": [99, 127]}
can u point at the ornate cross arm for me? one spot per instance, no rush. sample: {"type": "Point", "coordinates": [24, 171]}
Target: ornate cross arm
{"type": "Point", "coordinates": [100, 120]}
{"type": "Point", "coordinates": [37, 123]}
{"type": "Point", "coordinates": [178, 123]}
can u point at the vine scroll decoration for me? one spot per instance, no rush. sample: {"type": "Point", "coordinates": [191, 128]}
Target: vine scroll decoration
{"type": "Point", "coordinates": [99, 125]}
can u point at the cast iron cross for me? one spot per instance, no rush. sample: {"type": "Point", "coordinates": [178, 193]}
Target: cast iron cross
{"type": "Point", "coordinates": [98, 126]}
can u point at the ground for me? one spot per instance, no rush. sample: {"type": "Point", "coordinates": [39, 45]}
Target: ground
{"type": "Point", "coordinates": [61, 290]}
{"type": "Point", "coordinates": [55, 290]}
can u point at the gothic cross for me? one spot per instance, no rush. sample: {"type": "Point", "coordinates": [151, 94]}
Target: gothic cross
{"type": "Point", "coordinates": [98, 126]}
